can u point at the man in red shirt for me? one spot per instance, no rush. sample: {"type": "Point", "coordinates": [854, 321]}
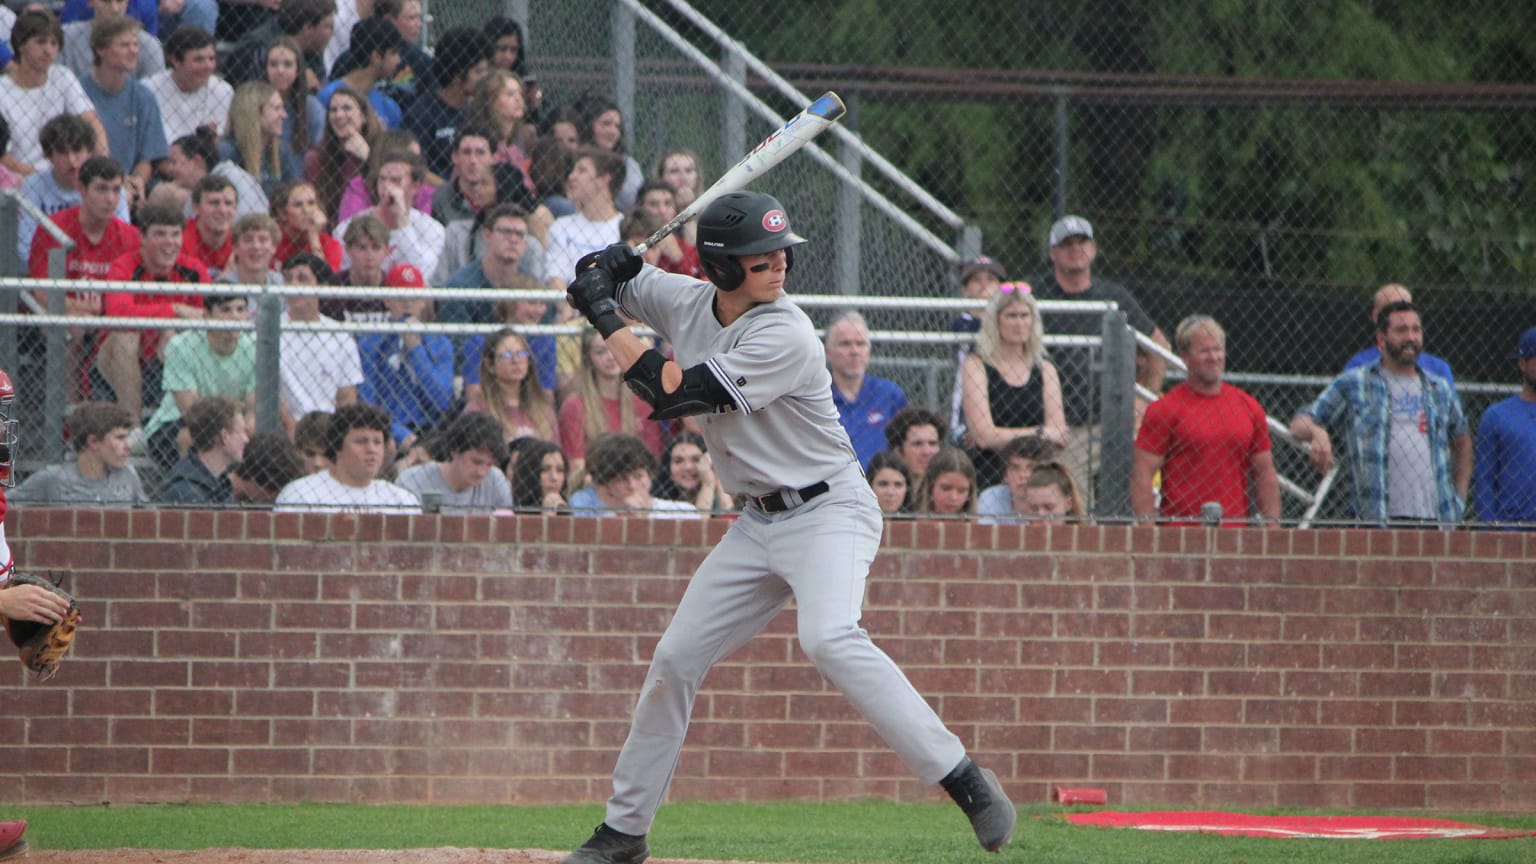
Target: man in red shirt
{"type": "Point", "coordinates": [100, 237]}
{"type": "Point", "coordinates": [159, 259]}
{"type": "Point", "coordinates": [1209, 439]}
{"type": "Point", "coordinates": [207, 235]}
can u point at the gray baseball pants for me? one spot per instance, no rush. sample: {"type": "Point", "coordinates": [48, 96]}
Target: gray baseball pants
{"type": "Point", "coordinates": [818, 554]}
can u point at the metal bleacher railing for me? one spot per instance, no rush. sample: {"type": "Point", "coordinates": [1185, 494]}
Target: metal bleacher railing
{"type": "Point", "coordinates": [927, 379]}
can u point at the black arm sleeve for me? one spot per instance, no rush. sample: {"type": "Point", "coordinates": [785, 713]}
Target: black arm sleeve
{"type": "Point", "coordinates": [700, 392]}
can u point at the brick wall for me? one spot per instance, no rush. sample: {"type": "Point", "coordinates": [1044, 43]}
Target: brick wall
{"type": "Point", "coordinates": [257, 657]}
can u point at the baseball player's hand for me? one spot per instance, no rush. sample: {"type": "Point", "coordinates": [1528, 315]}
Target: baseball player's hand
{"type": "Point", "coordinates": [617, 260]}
{"type": "Point", "coordinates": [620, 262]}
{"type": "Point", "coordinates": [592, 295]}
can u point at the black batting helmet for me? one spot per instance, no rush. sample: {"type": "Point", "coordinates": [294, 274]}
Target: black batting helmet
{"type": "Point", "coordinates": [742, 223]}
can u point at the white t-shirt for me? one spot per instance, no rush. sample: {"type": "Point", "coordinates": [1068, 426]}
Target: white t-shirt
{"type": "Point", "coordinates": [419, 243]}
{"type": "Point", "coordinates": [322, 492]}
{"type": "Point", "coordinates": [1410, 479]}
{"type": "Point", "coordinates": [341, 32]}
{"type": "Point", "coordinates": [573, 236]}
{"type": "Point", "coordinates": [314, 365]}
{"type": "Point", "coordinates": [184, 112]}
{"type": "Point", "coordinates": [28, 110]}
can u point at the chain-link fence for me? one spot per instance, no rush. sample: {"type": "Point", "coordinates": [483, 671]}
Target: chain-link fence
{"type": "Point", "coordinates": [1267, 169]}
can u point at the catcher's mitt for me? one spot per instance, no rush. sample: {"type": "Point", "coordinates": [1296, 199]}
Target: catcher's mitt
{"type": "Point", "coordinates": [42, 646]}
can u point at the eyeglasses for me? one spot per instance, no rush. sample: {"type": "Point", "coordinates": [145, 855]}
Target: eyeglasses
{"type": "Point", "coordinates": [513, 355]}
{"type": "Point", "coordinates": [510, 232]}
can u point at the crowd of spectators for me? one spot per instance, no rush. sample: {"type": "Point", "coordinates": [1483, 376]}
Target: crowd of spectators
{"type": "Point", "coordinates": [296, 143]}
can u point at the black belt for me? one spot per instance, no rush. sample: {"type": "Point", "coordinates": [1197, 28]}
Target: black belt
{"type": "Point", "coordinates": [785, 499]}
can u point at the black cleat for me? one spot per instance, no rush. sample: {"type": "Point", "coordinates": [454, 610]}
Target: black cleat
{"type": "Point", "coordinates": [608, 846]}
{"type": "Point", "coordinates": [979, 794]}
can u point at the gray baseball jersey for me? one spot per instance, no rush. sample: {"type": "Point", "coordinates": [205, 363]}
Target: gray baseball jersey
{"type": "Point", "coordinates": [785, 431]}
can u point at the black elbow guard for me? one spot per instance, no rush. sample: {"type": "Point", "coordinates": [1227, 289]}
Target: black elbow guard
{"type": "Point", "coordinates": [700, 392]}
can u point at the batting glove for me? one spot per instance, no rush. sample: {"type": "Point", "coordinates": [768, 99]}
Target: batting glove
{"type": "Point", "coordinates": [592, 295]}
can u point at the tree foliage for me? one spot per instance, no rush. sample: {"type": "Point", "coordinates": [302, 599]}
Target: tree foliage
{"type": "Point", "coordinates": [1328, 191]}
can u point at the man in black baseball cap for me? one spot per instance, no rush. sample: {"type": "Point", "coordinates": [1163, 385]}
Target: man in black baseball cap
{"type": "Point", "coordinates": [1072, 252]}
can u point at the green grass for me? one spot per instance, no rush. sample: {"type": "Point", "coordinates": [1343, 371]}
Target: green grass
{"type": "Point", "coordinates": [859, 833]}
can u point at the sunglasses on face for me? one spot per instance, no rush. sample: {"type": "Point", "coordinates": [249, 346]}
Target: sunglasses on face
{"type": "Point", "coordinates": [513, 355]}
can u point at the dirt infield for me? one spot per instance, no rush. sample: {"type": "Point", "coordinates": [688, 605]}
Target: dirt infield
{"type": "Point", "coordinates": [442, 855]}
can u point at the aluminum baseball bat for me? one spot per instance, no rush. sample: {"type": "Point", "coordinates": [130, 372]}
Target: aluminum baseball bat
{"type": "Point", "coordinates": [774, 149]}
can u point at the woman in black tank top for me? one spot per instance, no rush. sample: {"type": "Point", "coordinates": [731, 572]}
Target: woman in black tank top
{"type": "Point", "coordinates": [1010, 388]}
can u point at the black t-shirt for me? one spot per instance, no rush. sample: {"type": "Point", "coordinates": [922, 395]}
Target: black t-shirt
{"type": "Point", "coordinates": [434, 123]}
{"type": "Point", "coordinates": [1079, 393]}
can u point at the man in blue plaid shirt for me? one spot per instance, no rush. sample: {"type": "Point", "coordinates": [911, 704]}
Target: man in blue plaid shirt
{"type": "Point", "coordinates": [1406, 440]}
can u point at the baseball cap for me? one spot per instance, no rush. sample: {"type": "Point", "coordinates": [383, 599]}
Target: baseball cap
{"type": "Point", "coordinates": [1527, 346]}
{"type": "Point", "coordinates": [1070, 226]}
{"type": "Point", "coordinates": [404, 276]}
{"type": "Point", "coordinates": [982, 264]}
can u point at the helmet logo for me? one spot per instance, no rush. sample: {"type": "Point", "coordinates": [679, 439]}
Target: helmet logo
{"type": "Point", "coordinates": [775, 221]}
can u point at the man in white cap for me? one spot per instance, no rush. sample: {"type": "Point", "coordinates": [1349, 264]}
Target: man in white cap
{"type": "Point", "coordinates": [1071, 278]}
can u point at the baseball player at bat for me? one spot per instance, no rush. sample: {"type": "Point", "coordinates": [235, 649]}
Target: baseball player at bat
{"type": "Point", "coordinates": [748, 365]}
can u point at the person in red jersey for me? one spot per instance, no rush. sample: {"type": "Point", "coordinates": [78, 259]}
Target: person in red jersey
{"type": "Point", "coordinates": [159, 258]}
{"type": "Point", "coordinates": [100, 238]}
{"type": "Point", "coordinates": [206, 236]}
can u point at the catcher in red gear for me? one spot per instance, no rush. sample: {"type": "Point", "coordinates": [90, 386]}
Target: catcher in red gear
{"type": "Point", "coordinates": [39, 617]}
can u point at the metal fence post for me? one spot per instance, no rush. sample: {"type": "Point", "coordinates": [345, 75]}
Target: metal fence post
{"type": "Point", "coordinates": [850, 225]}
{"type": "Point", "coordinates": [517, 10]}
{"type": "Point", "coordinates": [624, 67]}
{"type": "Point", "coordinates": [55, 363]}
{"type": "Point", "coordinates": [1117, 418]}
{"type": "Point", "coordinates": [10, 298]}
{"type": "Point", "coordinates": [269, 350]}
{"type": "Point", "coordinates": [968, 245]}
{"type": "Point", "coordinates": [735, 143]}
{"type": "Point", "coordinates": [1063, 139]}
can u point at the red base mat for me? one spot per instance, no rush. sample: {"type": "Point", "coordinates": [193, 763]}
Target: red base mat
{"type": "Point", "coordinates": [1336, 827]}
